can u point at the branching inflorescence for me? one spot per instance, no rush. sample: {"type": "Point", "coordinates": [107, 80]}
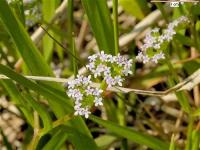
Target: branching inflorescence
{"type": "Point", "coordinates": [155, 44]}
{"type": "Point", "coordinates": [111, 70]}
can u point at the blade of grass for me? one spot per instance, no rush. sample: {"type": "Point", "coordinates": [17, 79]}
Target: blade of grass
{"type": "Point", "coordinates": [100, 21]}
{"type": "Point", "coordinates": [51, 94]}
{"type": "Point", "coordinates": [27, 49]}
{"type": "Point", "coordinates": [45, 117]}
{"type": "Point", "coordinates": [18, 99]}
{"type": "Point", "coordinates": [71, 40]}
{"type": "Point", "coordinates": [189, 141]}
{"type": "Point", "coordinates": [138, 8]}
{"type": "Point", "coordinates": [172, 143]}
{"type": "Point", "coordinates": [18, 7]}
{"type": "Point", "coordinates": [132, 135]}
{"type": "Point", "coordinates": [56, 141]}
{"type": "Point", "coordinates": [104, 141]}
{"type": "Point", "coordinates": [76, 138]}
{"type": "Point", "coordinates": [48, 10]}
{"type": "Point", "coordinates": [195, 139]}
{"type": "Point", "coordinates": [115, 25]}
{"type": "Point", "coordinates": [36, 64]}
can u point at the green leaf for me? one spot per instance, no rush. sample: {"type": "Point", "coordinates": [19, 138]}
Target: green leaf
{"type": "Point", "coordinates": [196, 112]}
{"type": "Point", "coordinates": [132, 135]}
{"type": "Point", "coordinates": [48, 10]}
{"type": "Point", "coordinates": [195, 139]}
{"type": "Point", "coordinates": [184, 40]}
{"type": "Point", "coordinates": [100, 21]}
{"type": "Point", "coordinates": [18, 99]}
{"type": "Point", "coordinates": [172, 143]}
{"type": "Point", "coordinates": [78, 139]}
{"type": "Point", "coordinates": [137, 8]}
{"type": "Point", "coordinates": [56, 141]}
{"type": "Point", "coordinates": [36, 64]}
{"type": "Point", "coordinates": [52, 94]}
{"type": "Point", "coordinates": [105, 141]}
{"type": "Point", "coordinates": [43, 113]}
{"type": "Point", "coordinates": [27, 49]}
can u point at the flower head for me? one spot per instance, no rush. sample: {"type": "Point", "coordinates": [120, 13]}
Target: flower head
{"type": "Point", "coordinates": [112, 68]}
{"type": "Point", "coordinates": [155, 44]}
{"type": "Point", "coordinates": [84, 95]}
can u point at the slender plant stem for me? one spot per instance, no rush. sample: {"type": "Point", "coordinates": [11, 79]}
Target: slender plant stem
{"type": "Point", "coordinates": [36, 135]}
{"type": "Point", "coordinates": [121, 105]}
{"type": "Point", "coordinates": [74, 62]}
{"type": "Point", "coordinates": [115, 25]}
{"type": "Point", "coordinates": [187, 84]}
{"type": "Point", "coordinates": [195, 36]}
{"type": "Point", "coordinates": [71, 36]}
{"type": "Point", "coordinates": [189, 134]}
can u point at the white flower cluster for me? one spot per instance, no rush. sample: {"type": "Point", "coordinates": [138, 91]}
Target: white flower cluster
{"type": "Point", "coordinates": [111, 68]}
{"type": "Point", "coordinates": [84, 95]}
{"type": "Point", "coordinates": [153, 42]}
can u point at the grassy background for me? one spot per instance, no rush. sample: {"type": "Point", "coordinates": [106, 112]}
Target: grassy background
{"type": "Point", "coordinates": [76, 29]}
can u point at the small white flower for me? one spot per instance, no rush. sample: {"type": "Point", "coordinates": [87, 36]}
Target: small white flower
{"type": "Point", "coordinates": [118, 80]}
{"type": "Point", "coordinates": [107, 71]}
{"type": "Point", "coordinates": [90, 66]}
{"type": "Point", "coordinates": [78, 111]}
{"type": "Point", "coordinates": [97, 92]}
{"type": "Point", "coordinates": [89, 90]}
{"type": "Point", "coordinates": [145, 59]}
{"type": "Point", "coordinates": [77, 106]}
{"type": "Point", "coordinates": [86, 80]}
{"type": "Point", "coordinates": [100, 68]}
{"type": "Point", "coordinates": [157, 46]}
{"type": "Point", "coordinates": [86, 112]}
{"type": "Point", "coordinates": [71, 84]}
{"type": "Point", "coordinates": [139, 57]}
{"type": "Point", "coordinates": [78, 95]}
{"type": "Point", "coordinates": [70, 92]}
{"type": "Point", "coordinates": [98, 101]}
{"type": "Point", "coordinates": [110, 81]}
{"type": "Point", "coordinates": [92, 58]}
{"type": "Point", "coordinates": [157, 57]}
{"type": "Point", "coordinates": [103, 56]}
{"type": "Point", "coordinates": [111, 58]}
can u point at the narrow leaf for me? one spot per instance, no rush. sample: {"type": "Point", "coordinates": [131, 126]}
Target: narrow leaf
{"type": "Point", "coordinates": [100, 21]}
{"type": "Point", "coordinates": [132, 135]}
{"type": "Point", "coordinates": [137, 8]}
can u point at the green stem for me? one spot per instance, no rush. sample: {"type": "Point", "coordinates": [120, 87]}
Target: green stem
{"type": "Point", "coordinates": [74, 61]}
{"type": "Point", "coordinates": [121, 106]}
{"type": "Point", "coordinates": [115, 25]}
{"type": "Point", "coordinates": [36, 136]}
{"type": "Point", "coordinates": [70, 23]}
{"type": "Point", "coordinates": [195, 139]}
{"type": "Point", "coordinates": [189, 142]}
{"type": "Point", "coordinates": [195, 36]}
